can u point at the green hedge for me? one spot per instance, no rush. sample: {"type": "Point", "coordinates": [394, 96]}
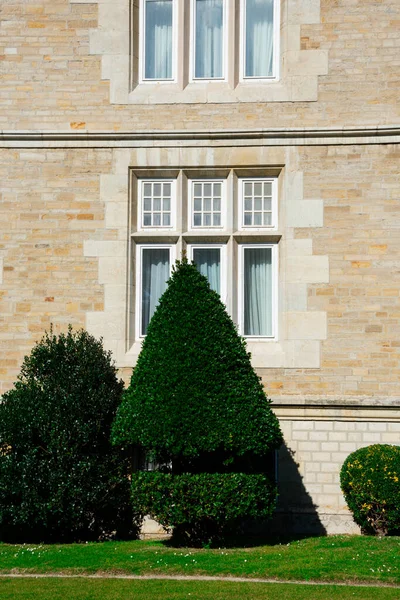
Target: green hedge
{"type": "Point", "coordinates": [370, 481]}
{"type": "Point", "coordinates": [203, 507]}
{"type": "Point", "coordinates": [60, 478]}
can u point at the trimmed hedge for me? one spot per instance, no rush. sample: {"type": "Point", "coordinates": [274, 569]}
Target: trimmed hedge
{"type": "Point", "coordinates": [370, 481]}
{"type": "Point", "coordinates": [203, 507]}
{"type": "Point", "coordinates": [60, 478]}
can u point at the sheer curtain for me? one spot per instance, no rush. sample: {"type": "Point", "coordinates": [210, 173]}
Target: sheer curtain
{"type": "Point", "coordinates": [259, 38]}
{"type": "Point", "coordinates": [155, 273]}
{"type": "Point", "coordinates": [158, 39]}
{"type": "Point", "coordinates": [257, 284]}
{"type": "Point", "coordinates": [209, 39]}
{"type": "Point", "coordinates": [208, 262]}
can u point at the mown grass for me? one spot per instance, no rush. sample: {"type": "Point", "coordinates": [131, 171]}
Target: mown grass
{"type": "Point", "coordinates": [106, 589]}
{"type": "Point", "coordinates": [330, 559]}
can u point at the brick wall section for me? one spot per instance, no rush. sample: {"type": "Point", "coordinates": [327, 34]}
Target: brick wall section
{"type": "Point", "coordinates": [49, 204]}
{"type": "Point", "coordinates": [360, 188]}
{"type": "Point", "coordinates": [49, 80]}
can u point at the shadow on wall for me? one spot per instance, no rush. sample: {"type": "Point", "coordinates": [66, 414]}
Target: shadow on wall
{"type": "Point", "coordinates": [296, 514]}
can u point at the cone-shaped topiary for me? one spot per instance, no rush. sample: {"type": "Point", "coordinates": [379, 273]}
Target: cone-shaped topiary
{"type": "Point", "coordinates": [60, 478]}
{"type": "Point", "coordinates": [194, 402]}
{"type": "Point", "coordinates": [193, 389]}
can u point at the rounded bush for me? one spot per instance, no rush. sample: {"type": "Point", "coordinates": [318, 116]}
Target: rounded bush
{"type": "Point", "coordinates": [370, 481]}
{"type": "Point", "coordinates": [60, 478]}
{"type": "Point", "coordinates": [203, 507]}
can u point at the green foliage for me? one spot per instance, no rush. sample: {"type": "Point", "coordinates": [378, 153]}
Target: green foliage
{"type": "Point", "coordinates": [193, 389]}
{"type": "Point", "coordinates": [196, 406]}
{"type": "Point", "coordinates": [370, 481]}
{"type": "Point", "coordinates": [60, 478]}
{"type": "Point", "coordinates": [203, 507]}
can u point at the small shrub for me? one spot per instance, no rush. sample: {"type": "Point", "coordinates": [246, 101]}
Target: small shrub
{"type": "Point", "coordinates": [370, 481]}
{"type": "Point", "coordinates": [60, 478]}
{"type": "Point", "coordinates": [203, 507]}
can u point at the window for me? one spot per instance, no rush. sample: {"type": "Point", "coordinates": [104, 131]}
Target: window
{"type": "Point", "coordinates": [224, 223]}
{"type": "Point", "coordinates": [257, 203]}
{"type": "Point", "coordinates": [158, 42]}
{"type": "Point", "coordinates": [172, 51]}
{"type": "Point", "coordinates": [153, 270]}
{"type": "Point", "coordinates": [156, 203]}
{"type": "Point", "coordinates": [206, 203]}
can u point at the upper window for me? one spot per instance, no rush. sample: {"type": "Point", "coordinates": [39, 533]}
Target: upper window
{"type": "Point", "coordinates": [206, 203]}
{"type": "Point", "coordinates": [207, 49]}
{"type": "Point", "coordinates": [258, 203]}
{"type": "Point", "coordinates": [156, 203]}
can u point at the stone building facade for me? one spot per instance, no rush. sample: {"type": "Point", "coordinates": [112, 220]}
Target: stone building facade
{"type": "Point", "coordinates": [88, 118]}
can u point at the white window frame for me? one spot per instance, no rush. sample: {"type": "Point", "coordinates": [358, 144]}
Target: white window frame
{"type": "Point", "coordinates": [276, 48]}
{"type": "Point", "coordinates": [222, 247]}
{"type": "Point", "coordinates": [140, 197]}
{"type": "Point", "coordinates": [274, 316]}
{"type": "Point", "coordinates": [138, 279]}
{"type": "Point", "coordinates": [142, 45]}
{"type": "Point", "coordinates": [274, 204]}
{"type": "Point", "coordinates": [192, 44]}
{"type": "Point", "coordinates": [203, 180]}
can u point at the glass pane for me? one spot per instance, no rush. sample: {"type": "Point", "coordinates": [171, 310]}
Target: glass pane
{"type": "Point", "coordinates": [158, 39]}
{"type": "Point", "coordinates": [166, 220]}
{"type": "Point", "coordinates": [248, 189]}
{"type": "Point", "coordinates": [209, 39]}
{"type": "Point", "coordinates": [155, 273]}
{"type": "Point", "coordinates": [216, 220]}
{"type": "Point", "coordinates": [247, 219]}
{"type": "Point", "coordinates": [197, 189]}
{"type": "Point", "coordinates": [207, 204]}
{"type": "Point", "coordinates": [147, 204]}
{"type": "Point", "coordinates": [207, 189]}
{"type": "Point", "coordinates": [197, 204]}
{"type": "Point", "coordinates": [157, 189]}
{"type": "Point", "coordinates": [257, 189]}
{"type": "Point", "coordinates": [147, 220]}
{"type": "Point", "coordinates": [248, 204]}
{"type": "Point", "coordinates": [147, 189]}
{"type": "Point", "coordinates": [259, 38]}
{"type": "Point", "coordinates": [267, 204]}
{"type": "Point", "coordinates": [208, 262]}
{"type": "Point", "coordinates": [167, 204]}
{"type": "Point", "coordinates": [257, 293]}
{"type": "Point", "coordinates": [197, 220]}
{"type": "Point", "coordinates": [257, 204]}
{"type": "Point", "coordinates": [217, 204]}
{"type": "Point", "coordinates": [157, 204]}
{"type": "Point", "coordinates": [207, 219]}
{"type": "Point", "coordinates": [217, 189]}
{"type": "Point", "coordinates": [267, 219]}
{"type": "Point", "coordinates": [267, 188]}
{"type": "Point", "coordinates": [257, 218]}
{"type": "Point", "coordinates": [157, 219]}
{"type": "Point", "coordinates": [167, 189]}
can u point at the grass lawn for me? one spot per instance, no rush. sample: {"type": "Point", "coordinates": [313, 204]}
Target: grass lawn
{"type": "Point", "coordinates": [78, 589]}
{"type": "Point", "coordinates": [337, 558]}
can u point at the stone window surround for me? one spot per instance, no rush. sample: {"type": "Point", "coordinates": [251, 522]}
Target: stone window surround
{"type": "Point", "coordinates": [300, 330]}
{"type": "Point", "coordinates": [229, 234]}
{"type": "Point", "coordinates": [115, 40]}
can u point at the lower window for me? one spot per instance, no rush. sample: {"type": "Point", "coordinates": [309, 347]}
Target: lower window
{"type": "Point", "coordinates": [253, 281]}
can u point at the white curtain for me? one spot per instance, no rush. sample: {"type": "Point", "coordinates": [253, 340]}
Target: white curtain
{"type": "Point", "coordinates": [208, 262]}
{"type": "Point", "coordinates": [257, 291]}
{"type": "Point", "coordinates": [155, 273]}
{"type": "Point", "coordinates": [259, 38]}
{"type": "Point", "coordinates": [209, 39]}
{"type": "Point", "coordinates": [158, 39]}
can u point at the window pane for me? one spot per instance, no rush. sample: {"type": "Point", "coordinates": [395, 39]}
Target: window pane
{"type": "Point", "coordinates": [247, 219]}
{"type": "Point", "coordinates": [158, 39]}
{"type": "Point", "coordinates": [217, 220]}
{"type": "Point", "coordinates": [197, 219]}
{"type": "Point", "coordinates": [157, 204]}
{"type": "Point", "coordinates": [259, 36]}
{"type": "Point", "coordinates": [209, 39]}
{"type": "Point", "coordinates": [166, 220]}
{"type": "Point", "coordinates": [217, 204]}
{"type": "Point", "coordinates": [147, 219]}
{"type": "Point", "coordinates": [197, 205]}
{"type": "Point", "coordinates": [155, 273]}
{"type": "Point", "coordinates": [147, 204]}
{"type": "Point", "coordinates": [208, 262]}
{"type": "Point", "coordinates": [257, 281]}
